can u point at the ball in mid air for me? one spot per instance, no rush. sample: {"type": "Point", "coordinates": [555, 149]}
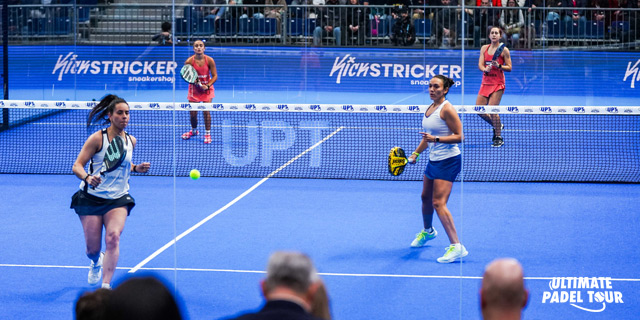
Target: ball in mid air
{"type": "Point", "coordinates": [194, 174]}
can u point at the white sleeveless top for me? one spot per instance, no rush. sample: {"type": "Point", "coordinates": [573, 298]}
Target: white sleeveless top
{"type": "Point", "coordinates": [115, 184]}
{"type": "Point", "coordinates": [435, 126]}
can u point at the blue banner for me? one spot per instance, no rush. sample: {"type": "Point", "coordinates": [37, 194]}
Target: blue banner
{"type": "Point", "coordinates": [325, 75]}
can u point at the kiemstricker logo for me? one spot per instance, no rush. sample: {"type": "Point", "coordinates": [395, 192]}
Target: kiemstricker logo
{"type": "Point", "coordinates": [347, 66]}
{"type": "Point", "coordinates": [632, 73]}
{"type": "Point", "coordinates": [153, 71]}
{"type": "Point", "coordinates": [590, 294]}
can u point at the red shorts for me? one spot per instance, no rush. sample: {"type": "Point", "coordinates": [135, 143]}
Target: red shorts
{"type": "Point", "coordinates": [487, 89]}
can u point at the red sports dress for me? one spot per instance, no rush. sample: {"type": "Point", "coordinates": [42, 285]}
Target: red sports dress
{"type": "Point", "coordinates": [494, 80]}
{"type": "Point", "coordinates": [195, 93]}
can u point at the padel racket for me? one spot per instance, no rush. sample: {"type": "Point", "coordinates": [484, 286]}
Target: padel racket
{"type": "Point", "coordinates": [189, 74]}
{"type": "Point", "coordinates": [114, 156]}
{"type": "Point", "coordinates": [397, 161]}
{"type": "Point", "coordinates": [497, 54]}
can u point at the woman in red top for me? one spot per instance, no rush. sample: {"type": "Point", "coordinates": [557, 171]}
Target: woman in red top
{"type": "Point", "coordinates": [201, 91]}
{"type": "Point", "coordinates": [492, 86]}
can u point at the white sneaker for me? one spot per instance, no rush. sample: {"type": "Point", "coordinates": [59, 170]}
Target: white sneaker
{"type": "Point", "coordinates": [422, 238]}
{"type": "Point", "coordinates": [106, 286]}
{"type": "Point", "coordinates": [95, 271]}
{"type": "Point", "coordinates": [452, 254]}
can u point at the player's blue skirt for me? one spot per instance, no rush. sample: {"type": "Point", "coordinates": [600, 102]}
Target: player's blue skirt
{"type": "Point", "coordinates": [89, 205]}
{"type": "Point", "coordinates": [446, 169]}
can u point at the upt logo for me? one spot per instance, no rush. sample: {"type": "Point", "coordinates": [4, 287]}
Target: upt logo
{"type": "Point", "coordinates": [585, 293]}
{"type": "Point", "coordinates": [381, 108]}
{"type": "Point", "coordinates": [633, 72]}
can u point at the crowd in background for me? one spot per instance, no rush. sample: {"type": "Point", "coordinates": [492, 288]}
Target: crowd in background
{"type": "Point", "coordinates": [402, 22]}
{"type": "Point", "coordinates": [292, 289]}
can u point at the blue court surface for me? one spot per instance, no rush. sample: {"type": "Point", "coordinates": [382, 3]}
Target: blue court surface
{"type": "Point", "coordinates": [577, 243]}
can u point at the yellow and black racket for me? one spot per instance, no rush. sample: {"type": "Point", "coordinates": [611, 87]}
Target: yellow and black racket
{"type": "Point", "coordinates": [397, 161]}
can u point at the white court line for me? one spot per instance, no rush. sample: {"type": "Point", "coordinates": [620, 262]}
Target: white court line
{"type": "Point", "coordinates": [376, 275]}
{"type": "Point", "coordinates": [225, 207]}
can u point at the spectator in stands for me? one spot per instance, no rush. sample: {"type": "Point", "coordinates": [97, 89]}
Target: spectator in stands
{"type": "Point", "coordinates": [234, 9]}
{"type": "Point", "coordinates": [252, 9]}
{"type": "Point", "coordinates": [444, 24]}
{"type": "Point", "coordinates": [354, 26]}
{"type": "Point", "coordinates": [377, 10]}
{"type": "Point", "coordinates": [419, 8]}
{"type": "Point", "coordinates": [275, 9]}
{"type": "Point", "coordinates": [503, 294]}
{"type": "Point", "coordinates": [553, 13]}
{"type": "Point", "coordinates": [328, 23]}
{"type": "Point", "coordinates": [404, 33]}
{"type": "Point", "coordinates": [217, 11]}
{"type": "Point", "coordinates": [142, 298]}
{"type": "Point", "coordinates": [484, 19]}
{"type": "Point", "coordinates": [576, 13]}
{"type": "Point", "coordinates": [531, 5]}
{"type": "Point", "coordinates": [290, 288]}
{"type": "Point", "coordinates": [512, 21]}
{"type": "Point", "coordinates": [93, 305]}
{"type": "Point", "coordinates": [164, 38]}
{"type": "Point", "coordinates": [494, 3]}
{"type": "Point", "coordinates": [594, 7]}
{"type": "Point", "coordinates": [624, 15]}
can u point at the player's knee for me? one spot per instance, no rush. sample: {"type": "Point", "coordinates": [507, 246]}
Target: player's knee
{"type": "Point", "coordinates": [438, 203]}
{"type": "Point", "coordinates": [112, 239]}
{"type": "Point", "coordinates": [426, 198]}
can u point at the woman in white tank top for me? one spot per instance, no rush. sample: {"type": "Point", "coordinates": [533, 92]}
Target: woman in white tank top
{"type": "Point", "coordinates": [442, 133]}
{"type": "Point", "coordinates": [104, 199]}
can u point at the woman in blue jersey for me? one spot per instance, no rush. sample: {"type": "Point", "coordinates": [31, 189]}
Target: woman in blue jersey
{"type": "Point", "coordinates": [104, 200]}
{"type": "Point", "coordinates": [442, 133]}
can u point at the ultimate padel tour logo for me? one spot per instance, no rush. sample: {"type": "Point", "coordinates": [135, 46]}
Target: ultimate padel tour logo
{"type": "Point", "coordinates": [148, 71]}
{"type": "Point", "coordinates": [590, 294]}
{"type": "Point", "coordinates": [347, 66]}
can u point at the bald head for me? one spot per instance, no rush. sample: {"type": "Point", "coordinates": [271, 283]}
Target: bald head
{"type": "Point", "coordinates": [503, 285]}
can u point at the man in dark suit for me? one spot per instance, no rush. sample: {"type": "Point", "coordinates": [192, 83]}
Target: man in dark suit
{"type": "Point", "coordinates": [290, 288]}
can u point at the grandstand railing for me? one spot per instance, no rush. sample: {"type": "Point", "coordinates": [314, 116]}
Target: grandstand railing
{"type": "Point", "coordinates": [136, 24]}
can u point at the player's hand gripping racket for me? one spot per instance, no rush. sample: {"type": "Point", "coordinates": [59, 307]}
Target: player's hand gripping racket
{"type": "Point", "coordinates": [397, 161]}
{"type": "Point", "coordinates": [189, 74]}
{"type": "Point", "coordinates": [496, 54]}
{"type": "Point", "coordinates": [114, 156]}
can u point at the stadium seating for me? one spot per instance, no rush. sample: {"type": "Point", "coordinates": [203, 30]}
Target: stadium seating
{"type": "Point", "coordinates": [226, 27]}
{"type": "Point", "coordinates": [267, 27]}
{"type": "Point", "coordinates": [246, 27]}
{"type": "Point", "coordinates": [295, 27]}
{"type": "Point", "coordinates": [555, 29]}
{"type": "Point", "coordinates": [574, 30]}
{"type": "Point", "coordinates": [204, 27]}
{"type": "Point", "coordinates": [594, 30]}
{"type": "Point", "coordinates": [423, 29]}
{"type": "Point", "coordinates": [182, 27]}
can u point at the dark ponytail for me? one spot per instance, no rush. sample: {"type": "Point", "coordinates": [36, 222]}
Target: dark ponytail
{"type": "Point", "coordinates": [103, 109]}
{"type": "Point", "coordinates": [446, 82]}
